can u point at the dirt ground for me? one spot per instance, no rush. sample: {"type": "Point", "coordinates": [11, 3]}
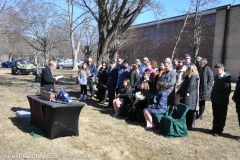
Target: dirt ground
{"type": "Point", "coordinates": [101, 135]}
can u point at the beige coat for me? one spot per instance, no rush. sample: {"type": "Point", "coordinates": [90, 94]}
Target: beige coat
{"type": "Point", "coordinates": [181, 76]}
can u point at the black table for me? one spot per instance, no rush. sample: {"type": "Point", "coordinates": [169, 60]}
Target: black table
{"type": "Point", "coordinates": [55, 119]}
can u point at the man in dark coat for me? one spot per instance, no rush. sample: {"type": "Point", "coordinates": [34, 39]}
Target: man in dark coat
{"type": "Point", "coordinates": [206, 82]}
{"type": "Point", "coordinates": [47, 79]}
{"type": "Point", "coordinates": [170, 78]}
{"type": "Point", "coordinates": [112, 77]}
{"type": "Point", "coordinates": [124, 73]}
{"type": "Point", "coordinates": [220, 99]}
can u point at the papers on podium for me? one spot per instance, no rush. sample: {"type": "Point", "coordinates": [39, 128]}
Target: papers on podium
{"type": "Point", "coordinates": [58, 77]}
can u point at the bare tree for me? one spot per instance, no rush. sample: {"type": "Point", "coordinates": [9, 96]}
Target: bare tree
{"type": "Point", "coordinates": [182, 29]}
{"type": "Point", "coordinates": [113, 19]}
{"type": "Point", "coordinates": [73, 25]}
{"type": "Point", "coordinates": [39, 27]}
{"type": "Point", "coordinates": [9, 28]}
{"type": "Point", "coordinates": [89, 41]}
{"type": "Point", "coordinates": [77, 20]}
{"type": "Point", "coordinates": [197, 37]}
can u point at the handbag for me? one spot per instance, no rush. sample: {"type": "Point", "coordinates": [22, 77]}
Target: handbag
{"type": "Point", "coordinates": [63, 96]}
{"type": "Point", "coordinates": [139, 96]}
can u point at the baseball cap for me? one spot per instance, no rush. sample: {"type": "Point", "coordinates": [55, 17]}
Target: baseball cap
{"type": "Point", "coordinates": [187, 55]}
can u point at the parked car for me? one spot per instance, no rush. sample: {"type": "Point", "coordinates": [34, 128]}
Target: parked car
{"type": "Point", "coordinates": [23, 67]}
{"type": "Point", "coordinates": [7, 64]}
{"type": "Point", "coordinates": [67, 63]}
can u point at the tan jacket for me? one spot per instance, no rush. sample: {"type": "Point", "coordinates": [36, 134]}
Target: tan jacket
{"type": "Point", "coordinates": [181, 76]}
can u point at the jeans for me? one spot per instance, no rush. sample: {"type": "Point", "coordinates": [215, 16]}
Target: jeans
{"type": "Point", "coordinates": [90, 84]}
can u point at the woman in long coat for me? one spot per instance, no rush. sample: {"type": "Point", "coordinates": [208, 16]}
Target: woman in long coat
{"type": "Point", "coordinates": [134, 77]}
{"type": "Point", "coordinates": [102, 80]}
{"type": "Point", "coordinates": [205, 88]}
{"type": "Point", "coordinates": [189, 94]}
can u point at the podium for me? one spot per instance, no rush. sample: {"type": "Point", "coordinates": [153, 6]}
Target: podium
{"type": "Point", "coordinates": [55, 119]}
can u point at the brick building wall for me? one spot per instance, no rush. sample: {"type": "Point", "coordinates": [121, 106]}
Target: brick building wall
{"type": "Point", "coordinates": [156, 41]}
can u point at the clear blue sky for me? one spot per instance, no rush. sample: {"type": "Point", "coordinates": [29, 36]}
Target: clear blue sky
{"type": "Point", "coordinates": [171, 6]}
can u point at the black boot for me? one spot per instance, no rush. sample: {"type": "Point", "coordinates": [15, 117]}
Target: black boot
{"type": "Point", "coordinates": [104, 98]}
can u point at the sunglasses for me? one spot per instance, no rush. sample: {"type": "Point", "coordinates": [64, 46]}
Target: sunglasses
{"type": "Point", "coordinates": [144, 60]}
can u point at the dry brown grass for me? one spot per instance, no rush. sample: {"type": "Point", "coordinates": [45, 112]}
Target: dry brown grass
{"type": "Point", "coordinates": [104, 137]}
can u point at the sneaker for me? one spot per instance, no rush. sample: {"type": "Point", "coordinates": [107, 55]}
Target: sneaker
{"type": "Point", "coordinates": [199, 118]}
{"type": "Point", "coordinates": [238, 139]}
{"type": "Point", "coordinates": [216, 135]}
{"type": "Point", "coordinates": [81, 97]}
{"type": "Point", "coordinates": [85, 97]}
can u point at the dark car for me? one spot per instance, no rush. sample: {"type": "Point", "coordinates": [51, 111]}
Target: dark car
{"type": "Point", "coordinates": [23, 67]}
{"type": "Point", "coordinates": [7, 64]}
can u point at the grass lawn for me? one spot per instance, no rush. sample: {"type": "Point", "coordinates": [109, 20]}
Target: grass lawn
{"type": "Point", "coordinates": [101, 135]}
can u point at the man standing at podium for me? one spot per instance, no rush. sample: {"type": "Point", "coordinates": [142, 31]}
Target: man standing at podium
{"type": "Point", "coordinates": [48, 80]}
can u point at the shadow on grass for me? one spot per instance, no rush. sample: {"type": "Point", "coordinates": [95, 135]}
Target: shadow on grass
{"type": "Point", "coordinates": [207, 131]}
{"type": "Point", "coordinates": [19, 122]}
{"type": "Point", "coordinates": [15, 109]}
{"type": "Point", "coordinates": [23, 124]}
{"type": "Point", "coordinates": [104, 109]}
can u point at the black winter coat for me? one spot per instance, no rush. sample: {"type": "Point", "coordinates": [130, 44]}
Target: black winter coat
{"type": "Point", "coordinates": [47, 79]}
{"type": "Point", "coordinates": [102, 78]}
{"type": "Point", "coordinates": [206, 82]}
{"type": "Point", "coordinates": [221, 89]}
{"type": "Point", "coordinates": [236, 95]}
{"type": "Point", "coordinates": [126, 94]}
{"type": "Point", "coordinates": [134, 80]}
{"type": "Point", "coordinates": [189, 92]}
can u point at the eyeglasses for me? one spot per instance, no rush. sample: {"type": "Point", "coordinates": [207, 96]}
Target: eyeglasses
{"type": "Point", "coordinates": [119, 61]}
{"type": "Point", "coordinates": [144, 60]}
{"type": "Point", "coordinates": [103, 65]}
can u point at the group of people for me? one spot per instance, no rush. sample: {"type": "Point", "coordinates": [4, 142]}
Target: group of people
{"type": "Point", "coordinates": [172, 82]}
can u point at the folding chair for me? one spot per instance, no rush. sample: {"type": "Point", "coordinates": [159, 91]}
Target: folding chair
{"type": "Point", "coordinates": [174, 124]}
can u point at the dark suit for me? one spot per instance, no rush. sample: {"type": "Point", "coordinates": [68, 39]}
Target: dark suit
{"type": "Point", "coordinates": [112, 83]}
{"type": "Point", "coordinates": [47, 79]}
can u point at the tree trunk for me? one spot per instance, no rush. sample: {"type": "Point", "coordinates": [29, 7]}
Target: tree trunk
{"type": "Point", "coordinates": [10, 57]}
{"type": "Point", "coordinates": [46, 56]}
